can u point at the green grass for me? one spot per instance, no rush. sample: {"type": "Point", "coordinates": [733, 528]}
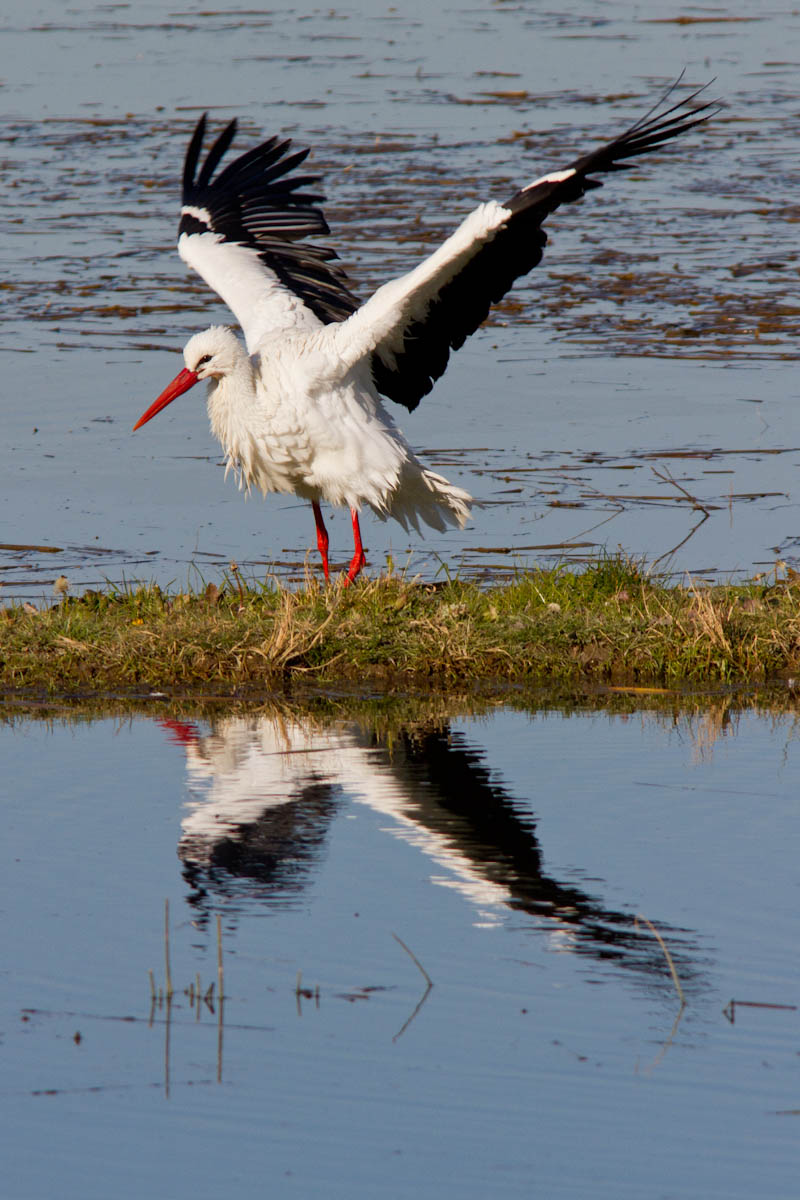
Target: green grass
{"type": "Point", "coordinates": [610, 623]}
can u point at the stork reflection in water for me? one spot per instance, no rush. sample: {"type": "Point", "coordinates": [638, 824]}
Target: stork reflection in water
{"type": "Point", "coordinates": [265, 791]}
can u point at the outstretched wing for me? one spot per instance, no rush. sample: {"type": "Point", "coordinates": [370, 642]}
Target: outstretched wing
{"type": "Point", "coordinates": [409, 326]}
{"type": "Point", "coordinates": [243, 232]}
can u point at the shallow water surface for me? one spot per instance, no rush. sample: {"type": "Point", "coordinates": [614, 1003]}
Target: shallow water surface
{"type": "Point", "coordinates": [525, 859]}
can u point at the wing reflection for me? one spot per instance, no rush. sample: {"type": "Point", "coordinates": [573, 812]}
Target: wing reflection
{"type": "Point", "coordinates": [264, 791]}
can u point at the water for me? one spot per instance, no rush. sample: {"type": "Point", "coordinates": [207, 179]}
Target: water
{"type": "Point", "coordinates": [636, 391]}
{"type": "Point", "coordinates": [551, 1055]}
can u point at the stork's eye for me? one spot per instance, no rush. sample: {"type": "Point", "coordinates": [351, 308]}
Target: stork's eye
{"type": "Point", "coordinates": [205, 359]}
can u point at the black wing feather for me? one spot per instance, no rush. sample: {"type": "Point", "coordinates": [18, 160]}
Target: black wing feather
{"type": "Point", "coordinates": [251, 203]}
{"type": "Point", "coordinates": [214, 157]}
{"type": "Point", "coordinates": [463, 304]}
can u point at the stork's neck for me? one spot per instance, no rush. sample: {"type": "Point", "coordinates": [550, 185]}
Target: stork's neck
{"type": "Point", "coordinates": [231, 399]}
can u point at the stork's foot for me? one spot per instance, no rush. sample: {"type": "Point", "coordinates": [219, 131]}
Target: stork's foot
{"type": "Point", "coordinates": [322, 538]}
{"type": "Point", "coordinates": [357, 562]}
{"type": "Point", "coordinates": [359, 558]}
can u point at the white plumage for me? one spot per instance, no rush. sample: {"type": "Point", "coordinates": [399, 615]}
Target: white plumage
{"type": "Point", "coordinates": [335, 441]}
{"type": "Point", "coordinates": [299, 409]}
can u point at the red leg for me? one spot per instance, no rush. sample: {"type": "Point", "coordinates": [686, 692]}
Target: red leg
{"type": "Point", "coordinates": [359, 559]}
{"type": "Point", "coordinates": [322, 538]}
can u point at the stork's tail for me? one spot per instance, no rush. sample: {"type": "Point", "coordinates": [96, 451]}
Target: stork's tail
{"type": "Point", "coordinates": [425, 496]}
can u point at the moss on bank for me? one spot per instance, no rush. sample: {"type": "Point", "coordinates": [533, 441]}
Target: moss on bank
{"type": "Point", "coordinates": [609, 623]}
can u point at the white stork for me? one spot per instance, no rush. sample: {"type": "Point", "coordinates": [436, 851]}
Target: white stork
{"type": "Point", "coordinates": [300, 409]}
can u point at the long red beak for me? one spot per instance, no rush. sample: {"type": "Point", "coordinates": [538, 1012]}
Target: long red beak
{"type": "Point", "coordinates": [181, 383]}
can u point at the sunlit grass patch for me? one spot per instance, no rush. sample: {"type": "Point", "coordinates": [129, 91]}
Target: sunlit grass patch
{"type": "Point", "coordinates": [610, 623]}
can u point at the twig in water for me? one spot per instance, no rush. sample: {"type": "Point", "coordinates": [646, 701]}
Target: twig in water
{"type": "Point", "coordinates": [666, 476]}
{"type": "Point", "coordinates": [425, 994]}
{"type": "Point", "coordinates": [667, 954]}
{"type": "Point", "coordinates": [678, 988]}
{"type": "Point", "coordinates": [221, 994]}
{"type": "Point", "coordinates": [730, 1008]}
{"type": "Point", "coordinates": [166, 950]}
{"type": "Point", "coordinates": [417, 1007]}
{"type": "Point", "coordinates": [220, 970]}
{"type": "Point", "coordinates": [414, 959]}
{"type": "Point", "coordinates": [658, 1058]}
{"type": "Point", "coordinates": [573, 541]}
{"type": "Point", "coordinates": [674, 549]}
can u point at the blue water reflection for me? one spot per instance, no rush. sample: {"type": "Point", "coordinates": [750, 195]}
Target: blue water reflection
{"type": "Point", "coordinates": [510, 852]}
{"type": "Point", "coordinates": [266, 790]}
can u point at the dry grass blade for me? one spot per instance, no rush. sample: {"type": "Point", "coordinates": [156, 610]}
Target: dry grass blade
{"type": "Point", "coordinates": [667, 955]}
{"type": "Point", "coordinates": [290, 638]}
{"type": "Point", "coordinates": [710, 619]}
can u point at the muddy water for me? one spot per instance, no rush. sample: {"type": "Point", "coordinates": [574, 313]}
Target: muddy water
{"type": "Point", "coordinates": [525, 1035]}
{"type": "Point", "coordinates": [638, 390]}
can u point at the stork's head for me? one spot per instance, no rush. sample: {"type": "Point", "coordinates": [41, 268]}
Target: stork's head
{"type": "Point", "coordinates": [211, 354]}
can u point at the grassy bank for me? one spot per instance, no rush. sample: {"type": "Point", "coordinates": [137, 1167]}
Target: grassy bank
{"type": "Point", "coordinates": [609, 623]}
